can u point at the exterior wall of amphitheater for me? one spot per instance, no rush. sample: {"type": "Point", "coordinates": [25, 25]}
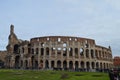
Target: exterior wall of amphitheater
{"type": "Point", "coordinates": [57, 52]}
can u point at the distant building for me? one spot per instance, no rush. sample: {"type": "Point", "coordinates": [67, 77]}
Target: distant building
{"type": "Point", "coordinates": [116, 61]}
{"type": "Point", "coordinates": [56, 52]}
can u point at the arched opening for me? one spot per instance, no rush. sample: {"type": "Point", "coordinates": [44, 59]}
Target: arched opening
{"type": "Point", "coordinates": [71, 65]}
{"type": "Point", "coordinates": [70, 52]}
{"type": "Point", "coordinates": [32, 62]}
{"type": "Point", "coordinates": [41, 64]}
{"type": "Point", "coordinates": [100, 54]}
{"type": "Point", "coordinates": [36, 64]}
{"type": "Point", "coordinates": [100, 65]}
{"type": "Point", "coordinates": [29, 50]}
{"type": "Point", "coordinates": [17, 62]}
{"type": "Point", "coordinates": [97, 65]}
{"type": "Point", "coordinates": [46, 64]}
{"type": "Point", "coordinates": [82, 65]}
{"type": "Point", "coordinates": [42, 51]}
{"type": "Point", "coordinates": [104, 66]}
{"type": "Point", "coordinates": [47, 51]}
{"type": "Point", "coordinates": [88, 66]}
{"type": "Point", "coordinates": [64, 44]}
{"type": "Point", "coordinates": [76, 52]}
{"type": "Point", "coordinates": [81, 51]}
{"type": "Point", "coordinates": [37, 50]}
{"type": "Point", "coordinates": [42, 44]}
{"type": "Point", "coordinates": [93, 65]}
{"type": "Point", "coordinates": [58, 64]}
{"type": "Point", "coordinates": [96, 52]}
{"type": "Point", "coordinates": [52, 64]}
{"type": "Point", "coordinates": [92, 53]}
{"type": "Point", "coordinates": [23, 50]}
{"type": "Point", "coordinates": [16, 48]}
{"type": "Point", "coordinates": [26, 64]}
{"type": "Point", "coordinates": [87, 53]}
{"type": "Point", "coordinates": [1, 64]}
{"type": "Point", "coordinates": [65, 65]}
{"type": "Point", "coordinates": [64, 52]}
{"type": "Point", "coordinates": [32, 51]}
{"type": "Point", "coordinates": [76, 65]}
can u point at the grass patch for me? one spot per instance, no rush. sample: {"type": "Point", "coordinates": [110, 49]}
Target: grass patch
{"type": "Point", "coordinates": [64, 76]}
{"type": "Point", "coordinates": [97, 75]}
{"type": "Point", "coordinates": [79, 75]}
{"type": "Point", "coordinates": [6, 74]}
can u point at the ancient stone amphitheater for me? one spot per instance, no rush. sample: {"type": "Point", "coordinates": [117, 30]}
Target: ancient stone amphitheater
{"type": "Point", "coordinates": [57, 52]}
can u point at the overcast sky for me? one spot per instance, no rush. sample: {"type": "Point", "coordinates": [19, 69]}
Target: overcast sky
{"type": "Point", "coordinates": [95, 19]}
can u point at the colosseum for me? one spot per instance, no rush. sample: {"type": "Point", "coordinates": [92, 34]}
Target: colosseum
{"type": "Point", "coordinates": [56, 52]}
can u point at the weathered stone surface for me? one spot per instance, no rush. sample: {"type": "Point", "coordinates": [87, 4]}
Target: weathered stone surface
{"type": "Point", "coordinates": [56, 52]}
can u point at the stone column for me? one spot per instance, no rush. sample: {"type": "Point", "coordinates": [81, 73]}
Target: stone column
{"type": "Point", "coordinates": [84, 53]}
{"type": "Point", "coordinates": [44, 56]}
{"type": "Point", "coordinates": [49, 64]}
{"type": "Point", "coordinates": [61, 64]}
{"type": "Point", "coordinates": [67, 64]}
{"type": "Point", "coordinates": [79, 64]}
{"type": "Point", "coordinates": [43, 64]}
{"type": "Point", "coordinates": [55, 64]}
{"type": "Point", "coordinates": [89, 53]}
{"type": "Point", "coordinates": [73, 65]}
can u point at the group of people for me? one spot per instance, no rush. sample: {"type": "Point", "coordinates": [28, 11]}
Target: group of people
{"type": "Point", "coordinates": [114, 75]}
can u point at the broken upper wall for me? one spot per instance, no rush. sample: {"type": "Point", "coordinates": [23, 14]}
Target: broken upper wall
{"type": "Point", "coordinates": [12, 40]}
{"type": "Point", "coordinates": [64, 39]}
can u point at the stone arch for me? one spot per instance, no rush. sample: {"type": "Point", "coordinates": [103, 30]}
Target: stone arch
{"type": "Point", "coordinates": [21, 63]}
{"type": "Point", "coordinates": [16, 48]}
{"type": "Point", "coordinates": [26, 64]}
{"type": "Point", "coordinates": [23, 49]}
{"type": "Point", "coordinates": [97, 65]}
{"type": "Point", "coordinates": [82, 65]}
{"type": "Point", "coordinates": [70, 65]}
{"type": "Point", "coordinates": [32, 51]}
{"type": "Point", "coordinates": [87, 53]}
{"type": "Point", "coordinates": [104, 66]}
{"type": "Point", "coordinates": [37, 50]}
{"type": "Point", "coordinates": [101, 66]}
{"type": "Point", "coordinates": [52, 64]}
{"type": "Point", "coordinates": [46, 64]}
{"type": "Point", "coordinates": [100, 55]}
{"type": "Point", "coordinates": [65, 64]}
{"type": "Point", "coordinates": [47, 51]}
{"type": "Point", "coordinates": [17, 62]}
{"type": "Point", "coordinates": [1, 63]}
{"type": "Point", "coordinates": [58, 64]}
{"type": "Point", "coordinates": [88, 65]}
{"type": "Point", "coordinates": [70, 52]}
{"type": "Point", "coordinates": [81, 51]}
{"type": "Point", "coordinates": [33, 61]}
{"type": "Point", "coordinates": [76, 52]}
{"type": "Point", "coordinates": [42, 51]}
{"type": "Point", "coordinates": [76, 65]}
{"type": "Point", "coordinates": [36, 64]}
{"type": "Point", "coordinates": [92, 53]}
{"type": "Point", "coordinates": [93, 65]}
{"type": "Point", "coordinates": [41, 63]}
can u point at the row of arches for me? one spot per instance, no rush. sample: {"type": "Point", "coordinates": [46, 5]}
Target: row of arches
{"type": "Point", "coordinates": [59, 64]}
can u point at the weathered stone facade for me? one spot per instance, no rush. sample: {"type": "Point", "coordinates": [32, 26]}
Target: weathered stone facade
{"type": "Point", "coordinates": [58, 52]}
{"type": "Point", "coordinates": [3, 55]}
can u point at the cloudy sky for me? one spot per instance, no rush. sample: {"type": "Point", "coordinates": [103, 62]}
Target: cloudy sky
{"type": "Point", "coordinates": [95, 19]}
